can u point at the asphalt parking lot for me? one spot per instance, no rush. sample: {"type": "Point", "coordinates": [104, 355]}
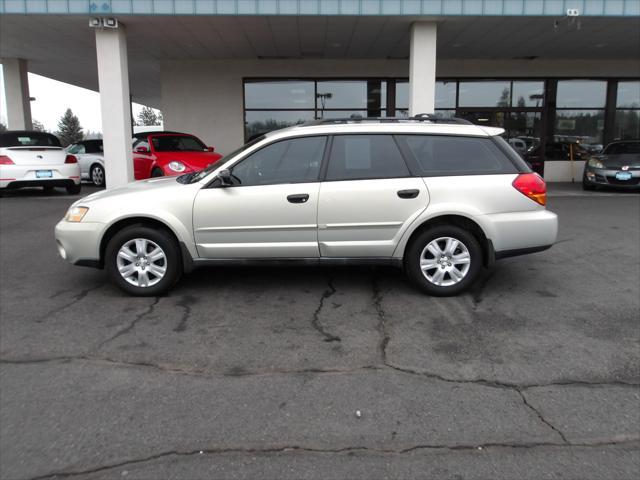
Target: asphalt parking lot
{"type": "Point", "coordinates": [261, 373]}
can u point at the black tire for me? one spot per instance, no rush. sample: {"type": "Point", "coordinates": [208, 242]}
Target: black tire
{"type": "Point", "coordinates": [96, 174]}
{"type": "Point", "coordinates": [414, 252]}
{"type": "Point", "coordinates": [163, 239]}
{"type": "Point", "coordinates": [587, 186]}
{"type": "Point", "coordinates": [75, 189]}
{"type": "Point", "coordinates": [156, 172]}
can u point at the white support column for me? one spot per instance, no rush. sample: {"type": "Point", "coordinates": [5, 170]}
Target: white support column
{"type": "Point", "coordinates": [16, 87]}
{"type": "Point", "coordinates": [422, 68]}
{"type": "Point", "coordinates": [113, 80]}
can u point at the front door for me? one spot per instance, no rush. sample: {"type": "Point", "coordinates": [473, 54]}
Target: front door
{"type": "Point", "coordinates": [270, 211]}
{"type": "Point", "coordinates": [368, 198]}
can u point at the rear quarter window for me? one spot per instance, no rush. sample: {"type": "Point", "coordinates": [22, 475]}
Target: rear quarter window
{"type": "Point", "coordinates": [440, 155]}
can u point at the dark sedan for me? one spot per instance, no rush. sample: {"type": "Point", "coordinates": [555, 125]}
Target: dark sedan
{"type": "Point", "coordinates": [617, 166]}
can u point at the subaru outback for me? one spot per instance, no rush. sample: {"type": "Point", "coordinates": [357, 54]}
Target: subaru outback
{"type": "Point", "coordinates": [441, 199]}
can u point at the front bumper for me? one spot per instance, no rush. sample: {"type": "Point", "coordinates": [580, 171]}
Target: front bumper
{"type": "Point", "coordinates": [18, 176]}
{"type": "Point", "coordinates": [79, 242]}
{"type": "Point", "coordinates": [607, 177]}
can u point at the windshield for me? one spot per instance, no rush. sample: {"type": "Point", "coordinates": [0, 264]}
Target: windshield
{"type": "Point", "coordinates": [196, 177]}
{"type": "Point", "coordinates": [622, 148]}
{"type": "Point", "coordinates": [177, 143]}
{"type": "Point", "coordinates": [28, 139]}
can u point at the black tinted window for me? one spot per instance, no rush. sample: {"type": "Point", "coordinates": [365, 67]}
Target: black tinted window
{"type": "Point", "coordinates": [452, 155]}
{"type": "Point", "coordinates": [289, 161]}
{"type": "Point", "coordinates": [177, 143]}
{"type": "Point", "coordinates": [28, 139]}
{"type": "Point", "coordinates": [365, 156]}
{"type": "Point", "coordinates": [622, 148]}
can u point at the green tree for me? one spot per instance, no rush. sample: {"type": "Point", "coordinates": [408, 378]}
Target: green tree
{"type": "Point", "coordinates": [69, 129]}
{"type": "Point", "coordinates": [148, 117]}
{"type": "Point", "coordinates": [38, 126]}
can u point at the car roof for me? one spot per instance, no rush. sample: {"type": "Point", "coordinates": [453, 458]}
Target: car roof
{"type": "Point", "coordinates": [158, 132]}
{"type": "Point", "coordinates": [401, 126]}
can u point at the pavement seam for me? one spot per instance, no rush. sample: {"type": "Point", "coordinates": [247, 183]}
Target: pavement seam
{"type": "Point", "coordinates": [296, 449]}
{"type": "Point", "coordinates": [81, 295]}
{"type": "Point", "coordinates": [385, 338]}
{"type": "Point", "coordinates": [131, 325]}
{"type": "Point", "coordinates": [315, 321]}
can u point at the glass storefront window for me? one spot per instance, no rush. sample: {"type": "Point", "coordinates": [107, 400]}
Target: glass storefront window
{"type": "Point", "coordinates": [279, 94]}
{"type": "Point", "coordinates": [259, 122]}
{"type": "Point", "coordinates": [341, 113]}
{"type": "Point", "coordinates": [626, 125]}
{"type": "Point", "coordinates": [628, 95]}
{"type": "Point", "coordinates": [581, 126]}
{"type": "Point", "coordinates": [485, 94]}
{"type": "Point", "coordinates": [342, 94]}
{"type": "Point", "coordinates": [528, 94]}
{"type": "Point", "coordinates": [445, 95]}
{"type": "Point", "coordinates": [581, 94]}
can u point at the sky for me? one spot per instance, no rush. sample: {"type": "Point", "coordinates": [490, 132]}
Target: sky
{"type": "Point", "coordinates": [52, 98]}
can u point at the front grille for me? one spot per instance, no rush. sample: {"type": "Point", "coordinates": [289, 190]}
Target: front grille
{"type": "Point", "coordinates": [631, 181]}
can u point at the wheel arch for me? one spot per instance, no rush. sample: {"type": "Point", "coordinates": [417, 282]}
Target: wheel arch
{"type": "Point", "coordinates": [457, 220]}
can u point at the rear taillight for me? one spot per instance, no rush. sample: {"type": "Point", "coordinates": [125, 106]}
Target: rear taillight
{"type": "Point", "coordinates": [70, 159]}
{"type": "Point", "coordinates": [4, 160]}
{"type": "Point", "coordinates": [532, 185]}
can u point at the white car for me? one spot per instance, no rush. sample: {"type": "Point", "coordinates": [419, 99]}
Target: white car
{"type": "Point", "coordinates": [439, 198]}
{"type": "Point", "coordinates": [90, 156]}
{"type": "Point", "coordinates": [36, 159]}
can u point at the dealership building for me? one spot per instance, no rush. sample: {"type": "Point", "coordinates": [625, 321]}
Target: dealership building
{"type": "Point", "coordinates": [550, 72]}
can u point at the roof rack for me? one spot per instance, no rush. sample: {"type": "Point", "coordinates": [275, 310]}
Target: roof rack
{"type": "Point", "coordinates": [421, 117]}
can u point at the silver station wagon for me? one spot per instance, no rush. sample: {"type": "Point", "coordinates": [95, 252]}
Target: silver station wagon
{"type": "Point", "coordinates": [440, 198]}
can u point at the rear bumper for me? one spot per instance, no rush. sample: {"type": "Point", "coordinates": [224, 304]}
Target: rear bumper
{"type": "Point", "coordinates": [18, 176]}
{"type": "Point", "coordinates": [523, 232]}
{"type": "Point", "coordinates": [79, 243]}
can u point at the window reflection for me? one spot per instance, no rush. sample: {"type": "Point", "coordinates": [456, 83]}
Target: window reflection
{"type": "Point", "coordinates": [627, 125]}
{"type": "Point", "coordinates": [628, 95]}
{"type": "Point", "coordinates": [528, 94]}
{"type": "Point", "coordinates": [279, 94]}
{"type": "Point", "coordinates": [257, 122]}
{"type": "Point", "coordinates": [343, 94]}
{"type": "Point", "coordinates": [581, 94]}
{"type": "Point", "coordinates": [485, 94]}
{"type": "Point", "coordinates": [445, 95]}
{"type": "Point", "coordinates": [581, 126]}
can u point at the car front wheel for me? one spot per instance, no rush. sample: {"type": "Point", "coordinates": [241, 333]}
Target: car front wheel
{"type": "Point", "coordinates": [157, 172]}
{"type": "Point", "coordinates": [444, 260]}
{"type": "Point", "coordinates": [143, 261]}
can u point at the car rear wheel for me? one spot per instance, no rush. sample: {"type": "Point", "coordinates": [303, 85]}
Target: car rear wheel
{"type": "Point", "coordinates": [143, 261]}
{"type": "Point", "coordinates": [156, 172]}
{"type": "Point", "coordinates": [74, 190]}
{"type": "Point", "coordinates": [444, 260]}
{"type": "Point", "coordinates": [97, 175]}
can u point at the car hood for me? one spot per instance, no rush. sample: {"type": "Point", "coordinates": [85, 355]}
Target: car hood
{"type": "Point", "coordinates": [617, 161]}
{"type": "Point", "coordinates": [150, 186]}
{"type": "Point", "coordinates": [195, 160]}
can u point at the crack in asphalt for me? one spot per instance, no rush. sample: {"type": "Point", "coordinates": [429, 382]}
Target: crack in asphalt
{"type": "Point", "coordinates": [185, 304]}
{"type": "Point", "coordinates": [382, 320]}
{"type": "Point", "coordinates": [348, 450]}
{"type": "Point", "coordinates": [315, 322]}
{"type": "Point", "coordinates": [541, 417]}
{"type": "Point", "coordinates": [131, 325]}
{"type": "Point", "coordinates": [76, 298]}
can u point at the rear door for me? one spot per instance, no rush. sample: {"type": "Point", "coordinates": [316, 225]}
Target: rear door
{"type": "Point", "coordinates": [368, 197]}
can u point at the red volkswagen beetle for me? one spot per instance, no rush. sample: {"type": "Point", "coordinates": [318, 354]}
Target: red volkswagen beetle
{"type": "Point", "coordinates": [156, 154]}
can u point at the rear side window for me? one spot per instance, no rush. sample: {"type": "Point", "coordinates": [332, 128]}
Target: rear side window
{"type": "Point", "coordinates": [437, 155]}
{"type": "Point", "coordinates": [355, 157]}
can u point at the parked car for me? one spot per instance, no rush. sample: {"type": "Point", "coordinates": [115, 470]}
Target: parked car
{"type": "Point", "coordinates": [90, 157]}
{"type": "Point", "coordinates": [159, 154]}
{"type": "Point", "coordinates": [438, 198]}
{"type": "Point", "coordinates": [617, 166]}
{"type": "Point", "coordinates": [554, 151]}
{"type": "Point", "coordinates": [518, 145]}
{"type": "Point", "coordinates": [36, 159]}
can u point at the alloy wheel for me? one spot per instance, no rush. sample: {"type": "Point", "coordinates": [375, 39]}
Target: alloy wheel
{"type": "Point", "coordinates": [141, 262]}
{"type": "Point", "coordinates": [445, 261]}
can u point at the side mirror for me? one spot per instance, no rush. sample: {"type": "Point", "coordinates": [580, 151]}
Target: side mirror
{"type": "Point", "coordinates": [141, 150]}
{"type": "Point", "coordinates": [210, 149]}
{"type": "Point", "coordinates": [225, 178]}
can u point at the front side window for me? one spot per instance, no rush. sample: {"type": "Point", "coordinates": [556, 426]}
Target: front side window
{"type": "Point", "coordinates": [296, 160]}
{"type": "Point", "coordinates": [177, 143]}
{"type": "Point", "coordinates": [355, 157]}
{"type": "Point", "coordinates": [452, 155]}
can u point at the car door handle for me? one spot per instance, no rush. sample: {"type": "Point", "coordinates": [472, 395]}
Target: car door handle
{"type": "Point", "coordinates": [412, 193]}
{"type": "Point", "coordinates": [298, 198]}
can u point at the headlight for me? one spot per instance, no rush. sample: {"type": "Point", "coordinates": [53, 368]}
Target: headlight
{"type": "Point", "coordinates": [177, 166]}
{"type": "Point", "coordinates": [76, 214]}
{"type": "Point", "coordinates": [595, 163]}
